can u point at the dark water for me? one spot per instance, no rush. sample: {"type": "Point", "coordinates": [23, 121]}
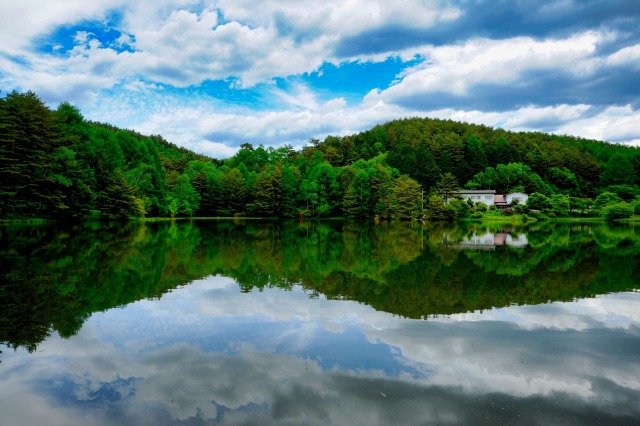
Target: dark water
{"type": "Point", "coordinates": [320, 323]}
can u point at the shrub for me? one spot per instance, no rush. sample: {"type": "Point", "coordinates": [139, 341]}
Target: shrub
{"type": "Point", "coordinates": [560, 204]}
{"type": "Point", "coordinates": [450, 212]}
{"type": "Point", "coordinates": [536, 214]}
{"type": "Point", "coordinates": [617, 211]}
{"type": "Point", "coordinates": [460, 206]}
{"type": "Point", "coordinates": [606, 199]}
{"type": "Point", "coordinates": [538, 201]}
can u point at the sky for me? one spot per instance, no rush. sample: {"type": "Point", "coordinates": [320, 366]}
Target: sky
{"type": "Point", "coordinates": [212, 75]}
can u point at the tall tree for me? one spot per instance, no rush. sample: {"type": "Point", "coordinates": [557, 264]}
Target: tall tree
{"type": "Point", "coordinates": [28, 144]}
{"type": "Point", "coordinates": [405, 198]}
{"type": "Point", "coordinates": [118, 199]}
{"type": "Point", "coordinates": [446, 186]}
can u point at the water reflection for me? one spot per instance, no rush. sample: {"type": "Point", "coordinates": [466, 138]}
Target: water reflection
{"type": "Point", "coordinates": [314, 323]}
{"type": "Point", "coordinates": [488, 240]}
{"type": "Point", "coordinates": [208, 354]}
{"type": "Point", "coordinates": [52, 278]}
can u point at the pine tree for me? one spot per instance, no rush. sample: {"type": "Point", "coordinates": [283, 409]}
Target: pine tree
{"type": "Point", "coordinates": [28, 140]}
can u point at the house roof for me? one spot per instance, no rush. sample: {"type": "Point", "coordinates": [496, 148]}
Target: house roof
{"type": "Point", "coordinates": [476, 191]}
{"type": "Point", "coordinates": [499, 199]}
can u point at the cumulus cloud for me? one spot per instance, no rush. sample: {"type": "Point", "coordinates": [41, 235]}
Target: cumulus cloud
{"type": "Point", "coordinates": [558, 66]}
{"type": "Point", "coordinates": [457, 70]}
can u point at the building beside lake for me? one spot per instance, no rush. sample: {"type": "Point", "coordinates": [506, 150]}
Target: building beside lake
{"type": "Point", "coordinates": [490, 198]}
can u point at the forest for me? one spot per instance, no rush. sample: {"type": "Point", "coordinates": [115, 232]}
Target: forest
{"type": "Point", "coordinates": [55, 164]}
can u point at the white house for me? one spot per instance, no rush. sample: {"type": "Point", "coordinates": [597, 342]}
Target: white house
{"type": "Point", "coordinates": [490, 198]}
{"type": "Point", "coordinates": [478, 195]}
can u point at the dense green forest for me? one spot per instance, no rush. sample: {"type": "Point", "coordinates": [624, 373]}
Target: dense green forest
{"type": "Point", "coordinates": [54, 164]}
{"type": "Point", "coordinates": [55, 277]}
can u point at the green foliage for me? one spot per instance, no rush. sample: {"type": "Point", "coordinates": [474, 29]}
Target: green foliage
{"type": "Point", "coordinates": [537, 215]}
{"type": "Point", "coordinates": [446, 186]}
{"type": "Point", "coordinates": [183, 198]}
{"type": "Point", "coordinates": [618, 170]}
{"type": "Point", "coordinates": [620, 210]}
{"type": "Point", "coordinates": [512, 177]}
{"type": "Point", "coordinates": [438, 209]}
{"type": "Point", "coordinates": [581, 205]}
{"type": "Point", "coordinates": [537, 201]}
{"type": "Point", "coordinates": [605, 199]}
{"type": "Point", "coordinates": [560, 204]}
{"type": "Point", "coordinates": [460, 206]}
{"type": "Point", "coordinates": [405, 198]}
{"type": "Point", "coordinates": [626, 192]}
{"type": "Point", "coordinates": [118, 199]}
{"type": "Point", "coordinates": [55, 164]}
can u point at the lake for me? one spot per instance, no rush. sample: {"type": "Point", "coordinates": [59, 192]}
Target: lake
{"type": "Point", "coordinates": [314, 323]}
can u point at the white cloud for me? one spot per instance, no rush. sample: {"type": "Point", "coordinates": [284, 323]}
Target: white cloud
{"type": "Point", "coordinates": [337, 16]}
{"type": "Point", "coordinates": [616, 123]}
{"type": "Point", "coordinates": [456, 68]}
{"type": "Point", "coordinates": [627, 55]}
{"type": "Point", "coordinates": [183, 43]}
{"type": "Point", "coordinates": [26, 19]}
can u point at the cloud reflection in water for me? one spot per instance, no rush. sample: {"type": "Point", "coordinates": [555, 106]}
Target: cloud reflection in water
{"type": "Point", "coordinates": [209, 354]}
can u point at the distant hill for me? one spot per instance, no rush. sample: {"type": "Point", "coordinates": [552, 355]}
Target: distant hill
{"type": "Point", "coordinates": [426, 148]}
{"type": "Point", "coordinates": [55, 164]}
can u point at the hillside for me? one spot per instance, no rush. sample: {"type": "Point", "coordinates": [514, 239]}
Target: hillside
{"type": "Point", "coordinates": [55, 164]}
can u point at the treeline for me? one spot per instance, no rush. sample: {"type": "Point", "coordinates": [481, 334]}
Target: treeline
{"type": "Point", "coordinates": [55, 164]}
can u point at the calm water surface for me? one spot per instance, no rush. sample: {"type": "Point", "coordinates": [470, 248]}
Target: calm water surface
{"type": "Point", "coordinates": [342, 323]}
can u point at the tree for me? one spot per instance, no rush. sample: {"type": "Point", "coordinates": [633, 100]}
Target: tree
{"type": "Point", "coordinates": [119, 199]}
{"type": "Point", "coordinates": [620, 210]}
{"type": "Point", "coordinates": [328, 189]}
{"type": "Point", "coordinates": [28, 143]}
{"type": "Point", "coordinates": [436, 207]}
{"type": "Point", "coordinates": [446, 186]}
{"type": "Point", "coordinates": [268, 192]}
{"type": "Point", "coordinates": [475, 156]}
{"type": "Point", "coordinates": [560, 204]}
{"type": "Point", "coordinates": [606, 199]}
{"type": "Point", "coordinates": [618, 170]}
{"type": "Point", "coordinates": [183, 198]}
{"type": "Point", "coordinates": [290, 191]}
{"type": "Point", "coordinates": [564, 180]}
{"type": "Point", "coordinates": [460, 206]}
{"type": "Point", "coordinates": [405, 198]}
{"type": "Point", "coordinates": [581, 205]}
{"type": "Point", "coordinates": [233, 192]}
{"type": "Point", "coordinates": [357, 198]}
{"type": "Point", "coordinates": [537, 201]}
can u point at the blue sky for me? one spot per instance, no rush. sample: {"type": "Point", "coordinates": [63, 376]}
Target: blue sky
{"type": "Point", "coordinates": [211, 75]}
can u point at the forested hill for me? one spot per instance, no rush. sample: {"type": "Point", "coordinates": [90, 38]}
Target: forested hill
{"type": "Point", "coordinates": [425, 149]}
{"type": "Point", "coordinates": [56, 164]}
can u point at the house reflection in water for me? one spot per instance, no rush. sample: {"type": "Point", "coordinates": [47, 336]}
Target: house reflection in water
{"type": "Point", "coordinates": [489, 241]}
